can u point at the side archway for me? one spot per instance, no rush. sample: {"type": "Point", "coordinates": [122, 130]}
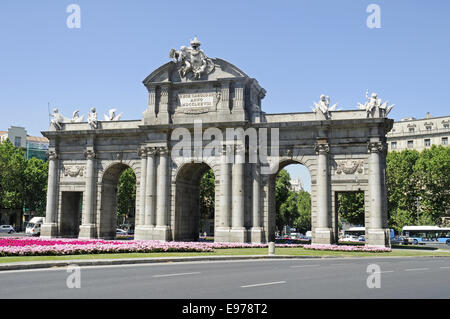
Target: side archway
{"type": "Point", "coordinates": [107, 214]}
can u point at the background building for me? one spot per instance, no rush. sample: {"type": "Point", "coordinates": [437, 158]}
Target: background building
{"type": "Point", "coordinates": [34, 146]}
{"type": "Point", "coordinates": [296, 185]}
{"type": "Point", "coordinates": [419, 134]}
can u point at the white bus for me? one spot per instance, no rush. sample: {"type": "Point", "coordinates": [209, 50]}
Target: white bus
{"type": "Point", "coordinates": [426, 234]}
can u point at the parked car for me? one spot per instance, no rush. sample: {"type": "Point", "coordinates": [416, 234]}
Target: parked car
{"type": "Point", "coordinates": [398, 240]}
{"type": "Point", "coordinates": [8, 229]}
{"type": "Point", "coordinates": [121, 232]}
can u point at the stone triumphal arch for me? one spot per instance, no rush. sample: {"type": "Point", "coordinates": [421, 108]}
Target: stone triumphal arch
{"type": "Point", "coordinates": [206, 114]}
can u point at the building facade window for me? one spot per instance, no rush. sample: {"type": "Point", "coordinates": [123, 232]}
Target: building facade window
{"type": "Point", "coordinates": [411, 130]}
{"type": "Point", "coordinates": [427, 142]}
{"type": "Point", "coordinates": [394, 145]}
{"type": "Point", "coordinates": [17, 141]}
{"type": "Point", "coordinates": [445, 141]}
{"type": "Point", "coordinates": [410, 144]}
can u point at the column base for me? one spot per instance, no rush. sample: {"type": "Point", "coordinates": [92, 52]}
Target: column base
{"type": "Point", "coordinates": [322, 236]}
{"type": "Point", "coordinates": [88, 231]}
{"type": "Point", "coordinates": [143, 232]}
{"type": "Point", "coordinates": [161, 233]}
{"type": "Point", "coordinates": [49, 230]}
{"type": "Point", "coordinates": [257, 235]}
{"type": "Point", "coordinates": [222, 235]}
{"type": "Point", "coordinates": [378, 237]}
{"type": "Point", "coordinates": [238, 235]}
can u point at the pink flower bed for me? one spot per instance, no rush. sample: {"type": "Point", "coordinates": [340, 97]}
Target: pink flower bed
{"type": "Point", "coordinates": [39, 247]}
{"type": "Point", "coordinates": [348, 248]}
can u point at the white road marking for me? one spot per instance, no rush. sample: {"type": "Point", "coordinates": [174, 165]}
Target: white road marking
{"type": "Point", "coordinates": [383, 272]}
{"type": "Point", "coordinates": [444, 267]}
{"type": "Point", "coordinates": [172, 275]}
{"type": "Point", "coordinates": [305, 266]}
{"type": "Point", "coordinates": [264, 284]}
{"type": "Point", "coordinates": [416, 269]}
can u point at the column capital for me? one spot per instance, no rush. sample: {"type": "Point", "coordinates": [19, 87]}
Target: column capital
{"type": "Point", "coordinates": [322, 148]}
{"type": "Point", "coordinates": [51, 155]}
{"type": "Point", "coordinates": [90, 154]}
{"type": "Point", "coordinates": [375, 147]}
{"type": "Point", "coordinates": [142, 152]}
{"type": "Point", "coordinates": [163, 150]}
{"type": "Point", "coordinates": [151, 151]}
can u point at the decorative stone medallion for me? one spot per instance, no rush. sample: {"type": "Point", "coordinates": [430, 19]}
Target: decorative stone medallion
{"type": "Point", "coordinates": [73, 170]}
{"type": "Point", "coordinates": [350, 167]}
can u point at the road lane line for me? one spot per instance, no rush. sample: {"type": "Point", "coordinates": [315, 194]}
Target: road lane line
{"type": "Point", "coordinates": [444, 267]}
{"type": "Point", "coordinates": [173, 275]}
{"type": "Point", "coordinates": [264, 284]}
{"type": "Point", "coordinates": [383, 272]}
{"type": "Point", "coordinates": [416, 269]}
{"type": "Point", "coordinates": [305, 266]}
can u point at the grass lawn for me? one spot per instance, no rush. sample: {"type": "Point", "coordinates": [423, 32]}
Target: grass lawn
{"type": "Point", "coordinates": [233, 252]}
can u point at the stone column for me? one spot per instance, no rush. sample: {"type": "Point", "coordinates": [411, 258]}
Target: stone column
{"type": "Point", "coordinates": [161, 231]}
{"type": "Point", "coordinates": [377, 235]}
{"type": "Point", "coordinates": [87, 229]}
{"type": "Point", "coordinates": [140, 223]}
{"type": "Point", "coordinates": [222, 232]}
{"type": "Point", "coordinates": [238, 231]}
{"type": "Point", "coordinates": [322, 232]}
{"type": "Point", "coordinates": [256, 231]}
{"type": "Point", "coordinates": [150, 189]}
{"type": "Point", "coordinates": [50, 227]}
{"type": "Point", "coordinates": [142, 186]}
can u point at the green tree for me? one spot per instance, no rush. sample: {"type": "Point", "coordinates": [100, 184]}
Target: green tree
{"type": "Point", "coordinates": [303, 220]}
{"type": "Point", "coordinates": [289, 209]}
{"type": "Point", "coordinates": [282, 192]}
{"type": "Point", "coordinates": [401, 188]}
{"type": "Point", "coordinates": [126, 194]}
{"type": "Point", "coordinates": [207, 195]}
{"type": "Point", "coordinates": [432, 176]}
{"type": "Point", "coordinates": [351, 207]}
{"type": "Point", "coordinates": [12, 181]}
{"type": "Point", "coordinates": [35, 177]}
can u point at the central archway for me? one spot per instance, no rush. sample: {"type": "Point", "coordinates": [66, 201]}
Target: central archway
{"type": "Point", "coordinates": [187, 201]}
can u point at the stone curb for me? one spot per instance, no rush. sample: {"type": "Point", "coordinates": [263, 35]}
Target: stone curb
{"type": "Point", "coordinates": [131, 261]}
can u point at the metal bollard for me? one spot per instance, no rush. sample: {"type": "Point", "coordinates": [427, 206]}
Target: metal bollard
{"type": "Point", "coordinates": [271, 248]}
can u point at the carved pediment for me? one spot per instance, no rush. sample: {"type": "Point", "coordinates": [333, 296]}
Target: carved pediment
{"type": "Point", "coordinates": [170, 72]}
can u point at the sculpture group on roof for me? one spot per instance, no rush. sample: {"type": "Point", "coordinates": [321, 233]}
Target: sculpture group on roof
{"type": "Point", "coordinates": [372, 106]}
{"type": "Point", "coordinates": [58, 119]}
{"type": "Point", "coordinates": [192, 59]}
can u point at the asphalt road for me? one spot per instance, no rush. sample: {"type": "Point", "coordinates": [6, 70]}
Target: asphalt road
{"type": "Point", "coordinates": [305, 278]}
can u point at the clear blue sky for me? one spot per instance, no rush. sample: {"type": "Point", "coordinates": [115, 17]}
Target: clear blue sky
{"type": "Point", "coordinates": [295, 49]}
